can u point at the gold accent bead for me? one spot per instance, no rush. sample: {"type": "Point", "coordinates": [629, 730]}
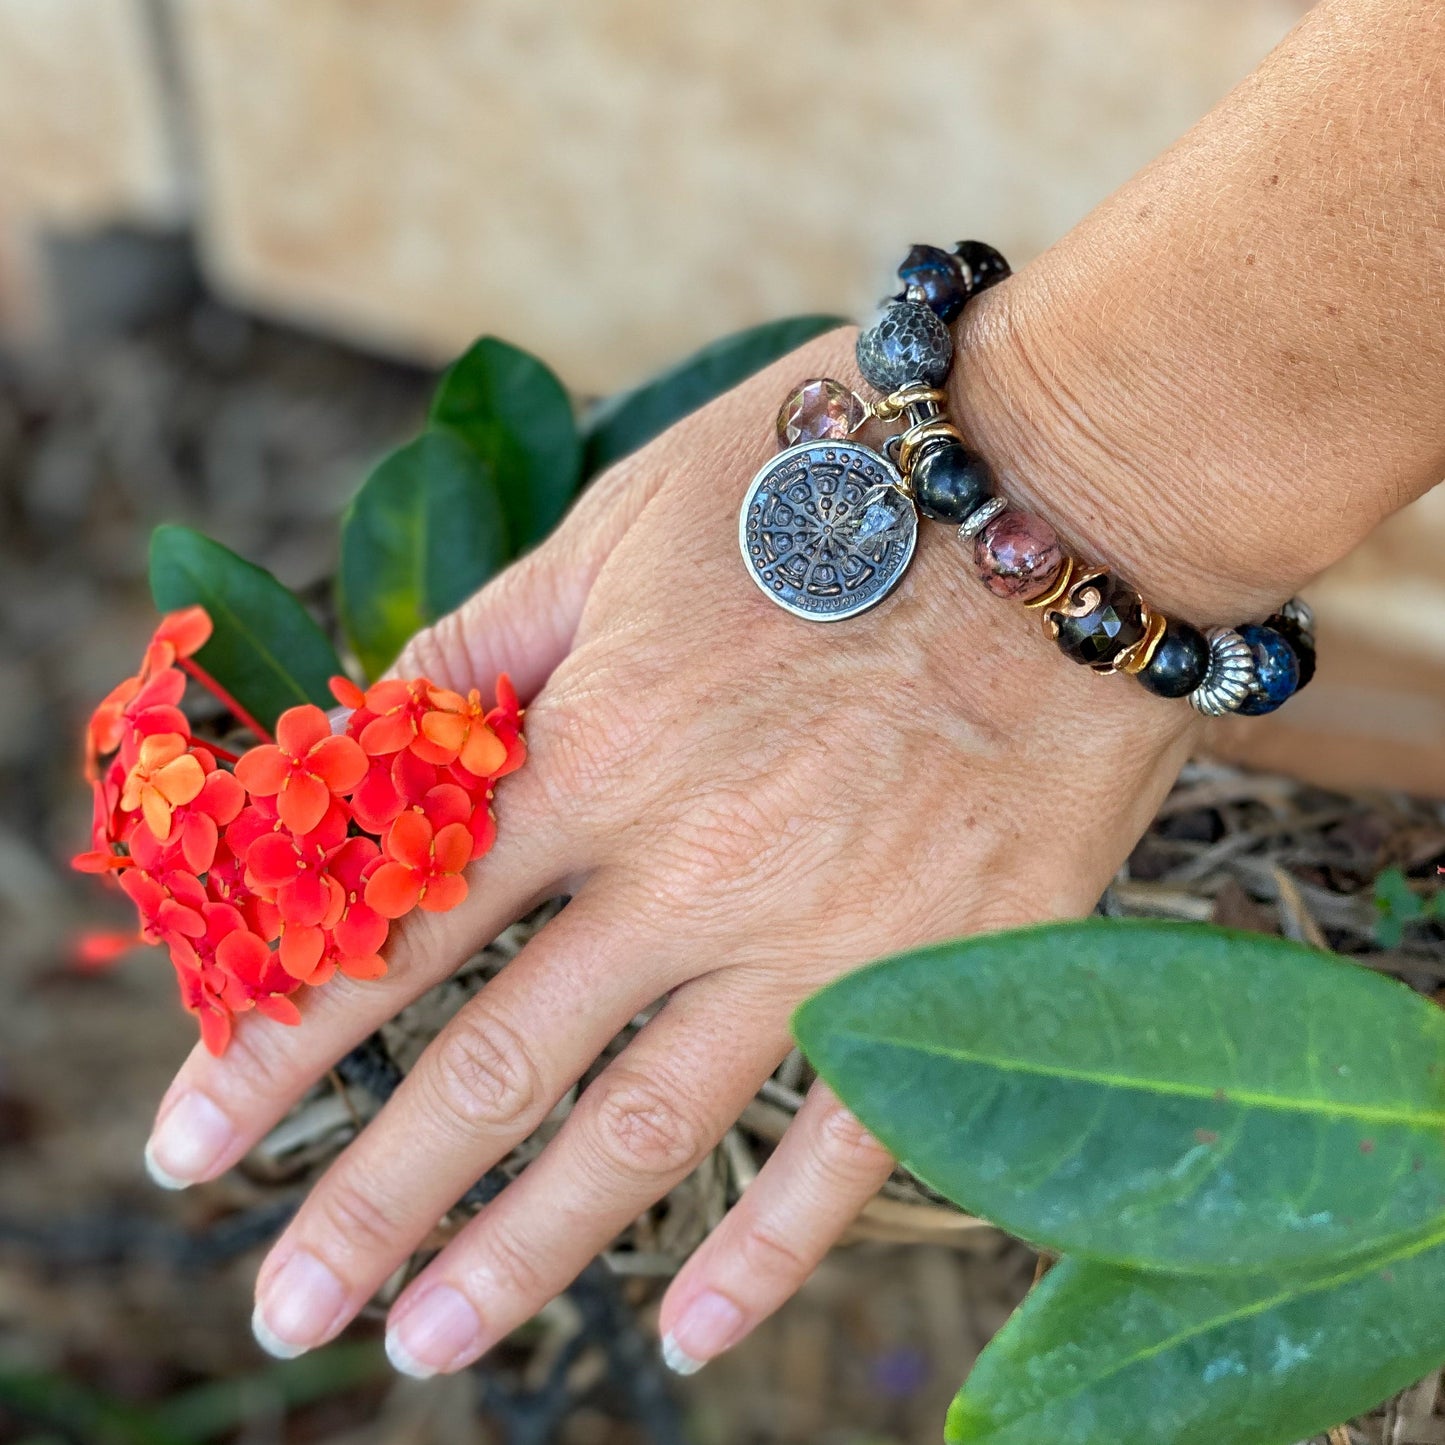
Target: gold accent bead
{"type": "Point", "coordinates": [1058, 587]}
{"type": "Point", "coordinates": [1135, 659]}
{"type": "Point", "coordinates": [934, 428]}
{"type": "Point", "coordinates": [892, 406]}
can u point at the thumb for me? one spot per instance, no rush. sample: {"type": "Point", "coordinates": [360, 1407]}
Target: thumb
{"type": "Point", "coordinates": [523, 621]}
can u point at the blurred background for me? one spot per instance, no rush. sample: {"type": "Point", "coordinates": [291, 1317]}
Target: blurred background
{"type": "Point", "coordinates": [237, 239]}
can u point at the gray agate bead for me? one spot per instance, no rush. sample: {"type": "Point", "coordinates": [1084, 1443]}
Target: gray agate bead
{"type": "Point", "coordinates": [906, 343]}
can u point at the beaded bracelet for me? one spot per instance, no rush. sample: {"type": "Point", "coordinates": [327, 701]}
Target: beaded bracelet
{"type": "Point", "coordinates": [828, 526]}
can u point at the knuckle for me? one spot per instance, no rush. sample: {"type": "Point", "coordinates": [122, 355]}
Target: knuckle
{"type": "Point", "coordinates": [645, 1131]}
{"type": "Point", "coordinates": [439, 652]}
{"type": "Point", "coordinates": [483, 1077]}
{"type": "Point", "coordinates": [356, 1218]}
{"type": "Point", "coordinates": [769, 1254]}
{"type": "Point", "coordinates": [512, 1268]}
{"type": "Point", "coordinates": [846, 1148]}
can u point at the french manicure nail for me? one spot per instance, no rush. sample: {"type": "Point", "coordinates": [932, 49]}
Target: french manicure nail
{"type": "Point", "coordinates": [187, 1142]}
{"type": "Point", "coordinates": [707, 1327]}
{"type": "Point", "coordinates": [440, 1331]}
{"type": "Point", "coordinates": [299, 1307]}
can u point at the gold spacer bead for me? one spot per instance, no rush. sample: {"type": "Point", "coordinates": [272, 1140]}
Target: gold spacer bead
{"type": "Point", "coordinates": [935, 427]}
{"type": "Point", "coordinates": [892, 406]}
{"type": "Point", "coordinates": [1058, 587]}
{"type": "Point", "coordinates": [1135, 659]}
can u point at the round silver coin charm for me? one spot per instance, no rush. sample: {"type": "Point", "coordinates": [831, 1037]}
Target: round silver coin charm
{"type": "Point", "coordinates": [825, 530]}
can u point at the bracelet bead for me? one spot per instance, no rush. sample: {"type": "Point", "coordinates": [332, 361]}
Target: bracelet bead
{"type": "Point", "coordinates": [1017, 555]}
{"type": "Point", "coordinates": [940, 276]}
{"type": "Point", "coordinates": [1097, 637]}
{"type": "Point", "coordinates": [907, 343]}
{"type": "Point", "coordinates": [1179, 663]}
{"type": "Point", "coordinates": [1276, 669]}
{"type": "Point", "coordinates": [950, 482]}
{"type": "Point", "coordinates": [986, 267]}
{"type": "Point", "coordinates": [1301, 639]}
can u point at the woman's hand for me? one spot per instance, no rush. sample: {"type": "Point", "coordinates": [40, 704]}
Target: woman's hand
{"type": "Point", "coordinates": [743, 806]}
{"type": "Point", "coordinates": [1218, 384]}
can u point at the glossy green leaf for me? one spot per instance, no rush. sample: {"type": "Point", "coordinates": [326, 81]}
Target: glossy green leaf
{"type": "Point", "coordinates": [515, 414]}
{"type": "Point", "coordinates": [423, 533]}
{"type": "Point", "coordinates": [1165, 1095]}
{"type": "Point", "coordinates": [265, 650]}
{"type": "Point", "coordinates": [1098, 1355]}
{"type": "Point", "coordinates": [631, 419]}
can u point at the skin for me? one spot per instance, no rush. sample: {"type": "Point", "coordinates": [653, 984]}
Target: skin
{"type": "Point", "coordinates": [1219, 383]}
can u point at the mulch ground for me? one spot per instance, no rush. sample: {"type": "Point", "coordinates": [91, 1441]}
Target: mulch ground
{"type": "Point", "coordinates": [123, 1312]}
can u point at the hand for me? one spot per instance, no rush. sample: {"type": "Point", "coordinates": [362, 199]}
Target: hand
{"type": "Point", "coordinates": [743, 806]}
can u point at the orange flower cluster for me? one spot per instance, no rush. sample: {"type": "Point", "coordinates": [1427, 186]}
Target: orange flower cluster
{"type": "Point", "coordinates": [278, 868]}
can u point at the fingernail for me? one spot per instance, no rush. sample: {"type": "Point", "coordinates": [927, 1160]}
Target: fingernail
{"type": "Point", "coordinates": [186, 1144]}
{"type": "Point", "coordinates": [707, 1327]}
{"type": "Point", "coordinates": [439, 1332]}
{"type": "Point", "coordinates": [298, 1308]}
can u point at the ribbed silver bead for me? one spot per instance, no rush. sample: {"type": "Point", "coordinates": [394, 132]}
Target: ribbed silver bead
{"type": "Point", "coordinates": [1298, 611]}
{"type": "Point", "coordinates": [1231, 674]}
{"type": "Point", "coordinates": [980, 517]}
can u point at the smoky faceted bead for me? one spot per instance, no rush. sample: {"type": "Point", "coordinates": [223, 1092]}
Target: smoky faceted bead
{"type": "Point", "coordinates": [985, 266]}
{"type": "Point", "coordinates": [1179, 663]}
{"type": "Point", "coordinates": [939, 276]}
{"type": "Point", "coordinates": [906, 343]}
{"type": "Point", "coordinates": [1099, 635]}
{"type": "Point", "coordinates": [1276, 669]}
{"type": "Point", "coordinates": [950, 482]}
{"type": "Point", "coordinates": [1301, 640]}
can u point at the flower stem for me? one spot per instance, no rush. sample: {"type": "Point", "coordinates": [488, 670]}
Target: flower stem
{"type": "Point", "coordinates": [224, 754]}
{"type": "Point", "coordinates": [195, 670]}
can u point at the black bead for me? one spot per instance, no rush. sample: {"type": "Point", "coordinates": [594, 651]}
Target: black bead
{"type": "Point", "coordinates": [939, 276]}
{"type": "Point", "coordinates": [1300, 640]}
{"type": "Point", "coordinates": [1102, 633]}
{"type": "Point", "coordinates": [950, 482]}
{"type": "Point", "coordinates": [985, 266]}
{"type": "Point", "coordinates": [1179, 663]}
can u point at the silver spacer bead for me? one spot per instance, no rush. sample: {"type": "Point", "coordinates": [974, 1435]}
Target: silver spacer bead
{"type": "Point", "coordinates": [980, 517]}
{"type": "Point", "coordinates": [1298, 611]}
{"type": "Point", "coordinates": [1231, 675]}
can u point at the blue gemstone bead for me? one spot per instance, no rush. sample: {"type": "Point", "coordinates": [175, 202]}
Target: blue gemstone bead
{"type": "Point", "coordinates": [1277, 668]}
{"type": "Point", "coordinates": [939, 276]}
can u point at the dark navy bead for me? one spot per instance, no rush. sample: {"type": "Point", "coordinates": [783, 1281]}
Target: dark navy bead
{"type": "Point", "coordinates": [950, 482]}
{"type": "Point", "coordinates": [1276, 668]}
{"type": "Point", "coordinates": [1179, 663]}
{"type": "Point", "coordinates": [1300, 640]}
{"type": "Point", "coordinates": [1101, 634]}
{"type": "Point", "coordinates": [906, 343]}
{"type": "Point", "coordinates": [939, 276]}
{"type": "Point", "coordinates": [985, 266]}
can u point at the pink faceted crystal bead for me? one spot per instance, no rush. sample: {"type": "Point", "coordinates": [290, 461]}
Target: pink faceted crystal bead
{"type": "Point", "coordinates": [820, 410]}
{"type": "Point", "coordinates": [1018, 555]}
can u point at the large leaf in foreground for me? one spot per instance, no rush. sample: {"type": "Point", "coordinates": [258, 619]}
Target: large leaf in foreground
{"type": "Point", "coordinates": [514, 413]}
{"type": "Point", "coordinates": [1097, 1355]}
{"type": "Point", "coordinates": [1159, 1094]}
{"type": "Point", "coordinates": [266, 650]}
{"type": "Point", "coordinates": [630, 420]}
{"type": "Point", "coordinates": [423, 533]}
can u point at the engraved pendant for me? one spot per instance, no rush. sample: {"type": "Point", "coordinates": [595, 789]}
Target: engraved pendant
{"type": "Point", "coordinates": [826, 530]}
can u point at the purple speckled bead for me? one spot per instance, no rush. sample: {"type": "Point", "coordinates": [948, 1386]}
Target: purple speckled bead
{"type": "Point", "coordinates": [1017, 555]}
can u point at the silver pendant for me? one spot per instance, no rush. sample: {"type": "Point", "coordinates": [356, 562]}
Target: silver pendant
{"type": "Point", "coordinates": [826, 530]}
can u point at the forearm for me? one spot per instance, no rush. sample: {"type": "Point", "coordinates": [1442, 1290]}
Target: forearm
{"type": "Point", "coordinates": [1234, 368]}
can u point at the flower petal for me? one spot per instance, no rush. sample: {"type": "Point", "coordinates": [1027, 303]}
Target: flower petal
{"type": "Point", "coordinates": [280, 1008]}
{"type": "Point", "coordinates": [341, 763]}
{"type": "Point", "coordinates": [263, 769]}
{"type": "Point", "coordinates": [242, 954]}
{"type": "Point", "coordinates": [484, 753]}
{"type": "Point", "coordinates": [187, 630]}
{"type": "Point", "coordinates": [443, 893]}
{"type": "Point", "coordinates": [303, 802]}
{"type": "Point", "coordinates": [301, 949]}
{"type": "Point", "coordinates": [409, 840]}
{"type": "Point", "coordinates": [452, 847]}
{"type": "Point", "coordinates": [304, 900]}
{"type": "Point", "coordinates": [389, 733]}
{"type": "Point", "coordinates": [446, 729]}
{"type": "Point", "coordinates": [392, 890]}
{"type": "Point", "coordinates": [180, 781]}
{"type": "Point", "coordinates": [360, 930]}
{"type": "Point", "coordinates": [364, 966]}
{"type": "Point", "coordinates": [272, 860]}
{"type": "Point", "coordinates": [199, 836]}
{"type": "Point", "coordinates": [299, 729]}
{"type": "Point", "coordinates": [215, 1022]}
{"type": "Point", "coordinates": [347, 693]}
{"type": "Point", "coordinates": [156, 811]}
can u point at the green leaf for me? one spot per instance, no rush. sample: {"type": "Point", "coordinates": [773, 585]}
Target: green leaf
{"type": "Point", "coordinates": [1164, 1095]}
{"type": "Point", "coordinates": [514, 413]}
{"type": "Point", "coordinates": [1097, 1355]}
{"type": "Point", "coordinates": [1396, 904]}
{"type": "Point", "coordinates": [266, 650]}
{"type": "Point", "coordinates": [423, 533]}
{"type": "Point", "coordinates": [631, 419]}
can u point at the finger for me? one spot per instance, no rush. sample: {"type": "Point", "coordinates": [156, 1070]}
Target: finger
{"type": "Point", "coordinates": [821, 1175]}
{"type": "Point", "coordinates": [523, 621]}
{"type": "Point", "coordinates": [218, 1108]}
{"type": "Point", "coordinates": [484, 1084]}
{"type": "Point", "coordinates": [643, 1126]}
